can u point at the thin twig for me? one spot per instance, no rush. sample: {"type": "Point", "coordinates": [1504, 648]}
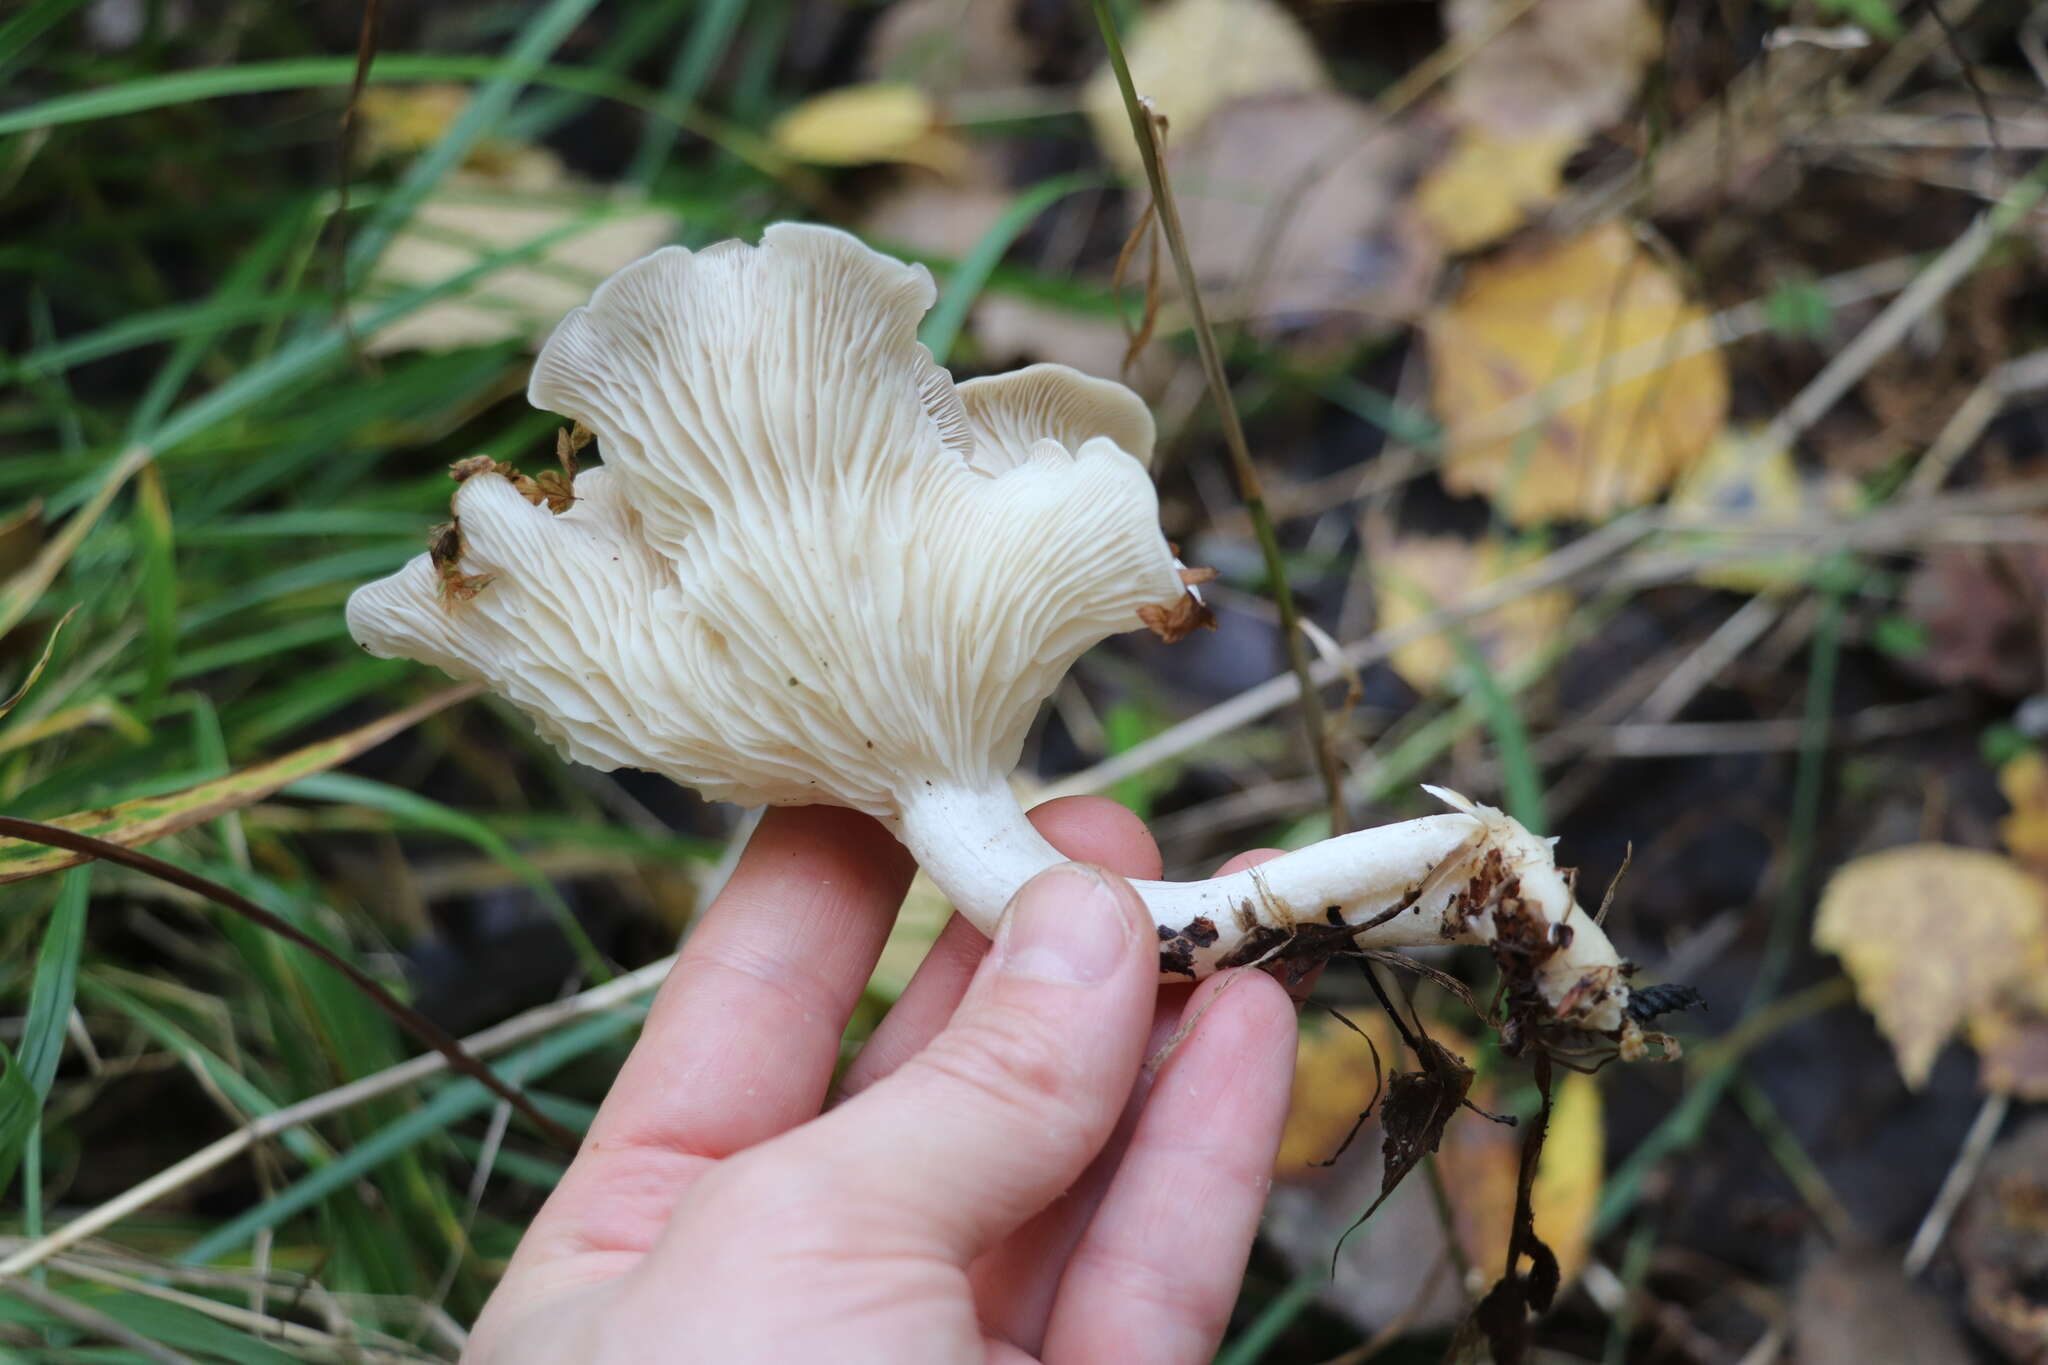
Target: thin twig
{"type": "Point", "coordinates": [1956, 1184]}
{"type": "Point", "coordinates": [1145, 130]}
{"type": "Point", "coordinates": [344, 173]}
{"type": "Point", "coordinates": [1889, 327]}
{"type": "Point", "coordinates": [2015, 378]}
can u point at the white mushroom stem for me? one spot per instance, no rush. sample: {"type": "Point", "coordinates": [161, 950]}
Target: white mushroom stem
{"type": "Point", "coordinates": [1476, 876]}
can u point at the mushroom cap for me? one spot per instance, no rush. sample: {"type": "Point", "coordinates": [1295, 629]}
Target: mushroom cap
{"type": "Point", "coordinates": [811, 568]}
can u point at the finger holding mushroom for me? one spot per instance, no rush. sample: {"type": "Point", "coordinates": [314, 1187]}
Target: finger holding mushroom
{"type": "Point", "coordinates": [812, 569]}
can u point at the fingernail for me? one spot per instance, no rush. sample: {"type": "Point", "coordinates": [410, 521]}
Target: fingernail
{"type": "Point", "coordinates": [1065, 926]}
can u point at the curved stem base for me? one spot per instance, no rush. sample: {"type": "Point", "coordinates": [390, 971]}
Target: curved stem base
{"type": "Point", "coordinates": [1472, 876]}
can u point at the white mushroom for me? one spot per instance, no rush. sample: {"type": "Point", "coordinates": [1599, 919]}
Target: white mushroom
{"type": "Point", "coordinates": [812, 569]}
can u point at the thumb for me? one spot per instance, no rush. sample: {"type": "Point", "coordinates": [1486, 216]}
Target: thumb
{"type": "Point", "coordinates": [1003, 1110]}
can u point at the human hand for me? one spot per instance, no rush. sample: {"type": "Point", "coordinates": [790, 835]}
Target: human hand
{"type": "Point", "coordinates": [997, 1182]}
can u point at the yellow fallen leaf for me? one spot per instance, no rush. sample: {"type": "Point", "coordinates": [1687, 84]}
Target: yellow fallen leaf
{"type": "Point", "coordinates": [2024, 782]}
{"type": "Point", "coordinates": [1482, 1163]}
{"type": "Point", "coordinates": [1569, 1177]}
{"type": "Point", "coordinates": [1933, 937]}
{"type": "Point", "coordinates": [1739, 479]}
{"type": "Point", "coordinates": [398, 119]}
{"type": "Point", "coordinates": [1192, 57]}
{"type": "Point", "coordinates": [1540, 315]}
{"type": "Point", "coordinates": [857, 125]}
{"type": "Point", "coordinates": [1333, 1084]}
{"type": "Point", "coordinates": [1416, 575]}
{"type": "Point", "coordinates": [401, 120]}
{"type": "Point", "coordinates": [1489, 182]}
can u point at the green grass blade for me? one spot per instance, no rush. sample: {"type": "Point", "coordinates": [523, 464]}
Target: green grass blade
{"type": "Point", "coordinates": [301, 359]}
{"type": "Point", "coordinates": [143, 329]}
{"type": "Point", "coordinates": [20, 1111]}
{"type": "Point", "coordinates": [420, 812]}
{"type": "Point", "coordinates": [55, 983]}
{"type": "Point", "coordinates": [488, 106]}
{"type": "Point", "coordinates": [1521, 779]}
{"type": "Point", "coordinates": [185, 1329]}
{"type": "Point", "coordinates": [24, 28]}
{"type": "Point", "coordinates": [643, 29]}
{"type": "Point", "coordinates": [233, 1082]}
{"type": "Point", "coordinates": [694, 62]}
{"type": "Point", "coordinates": [240, 293]}
{"type": "Point", "coordinates": [156, 565]}
{"type": "Point", "coordinates": [52, 989]}
{"type": "Point", "coordinates": [451, 1105]}
{"type": "Point", "coordinates": [942, 328]}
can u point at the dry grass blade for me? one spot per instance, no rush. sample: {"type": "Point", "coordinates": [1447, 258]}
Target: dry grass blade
{"type": "Point", "coordinates": [1144, 127]}
{"type": "Point", "coordinates": [147, 1277]}
{"type": "Point", "coordinates": [344, 169]}
{"type": "Point", "coordinates": [415, 1023]}
{"type": "Point", "coordinates": [22, 591]}
{"type": "Point", "coordinates": [153, 817]}
{"type": "Point", "coordinates": [1885, 331]}
{"type": "Point", "coordinates": [42, 662]}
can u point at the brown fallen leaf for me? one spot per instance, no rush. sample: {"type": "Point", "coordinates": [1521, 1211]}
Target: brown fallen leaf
{"type": "Point", "coordinates": [1413, 576]}
{"type": "Point", "coordinates": [2001, 1243]}
{"type": "Point", "coordinates": [2023, 781]}
{"type": "Point", "coordinates": [1982, 609]}
{"type": "Point", "coordinates": [939, 215]}
{"type": "Point", "coordinates": [1934, 936]}
{"type": "Point", "coordinates": [1857, 1308]}
{"type": "Point", "coordinates": [399, 120]}
{"type": "Point", "coordinates": [1540, 314]}
{"type": "Point", "coordinates": [1561, 66]}
{"type": "Point", "coordinates": [2012, 1052]}
{"type": "Point", "coordinates": [1297, 211]}
{"type": "Point", "coordinates": [503, 195]}
{"type": "Point", "coordinates": [945, 46]}
{"type": "Point", "coordinates": [1192, 57]}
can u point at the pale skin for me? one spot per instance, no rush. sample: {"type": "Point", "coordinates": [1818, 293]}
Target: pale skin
{"type": "Point", "coordinates": [996, 1177]}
